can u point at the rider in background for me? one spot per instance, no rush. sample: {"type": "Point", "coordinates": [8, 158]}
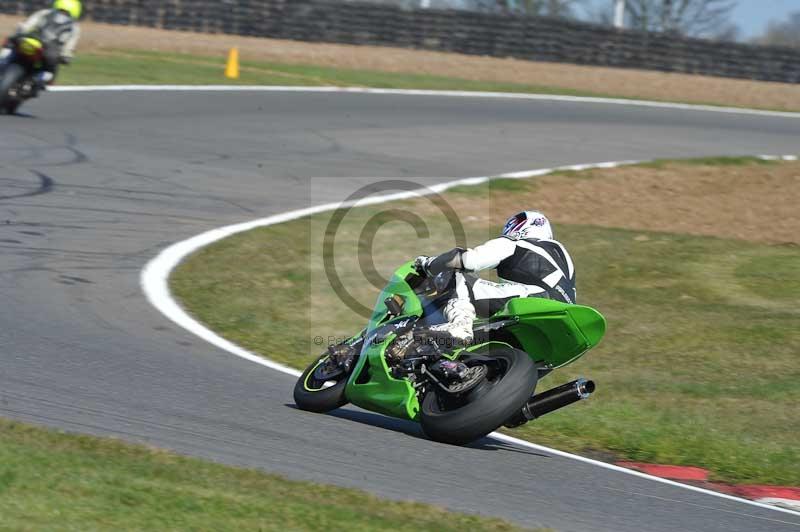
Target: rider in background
{"type": "Point", "coordinates": [58, 30]}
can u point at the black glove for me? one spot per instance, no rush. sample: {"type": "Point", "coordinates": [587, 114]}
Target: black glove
{"type": "Point", "coordinates": [421, 265]}
{"type": "Point", "coordinates": [64, 60]}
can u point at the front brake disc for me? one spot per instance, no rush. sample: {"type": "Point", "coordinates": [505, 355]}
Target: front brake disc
{"type": "Point", "coordinates": [474, 376]}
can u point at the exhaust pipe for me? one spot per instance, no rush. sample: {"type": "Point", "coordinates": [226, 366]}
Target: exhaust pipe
{"type": "Point", "coordinates": [552, 400]}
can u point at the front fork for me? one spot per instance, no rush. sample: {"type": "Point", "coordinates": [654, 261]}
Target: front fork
{"type": "Point", "coordinates": [345, 353]}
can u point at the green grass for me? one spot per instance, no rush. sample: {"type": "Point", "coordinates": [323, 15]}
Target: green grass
{"type": "Point", "coordinates": [699, 366]}
{"type": "Point", "coordinates": [55, 481]}
{"type": "Point", "coordinates": [143, 67]}
{"type": "Point", "coordinates": [664, 163]}
{"type": "Point", "coordinates": [710, 161]}
{"type": "Point", "coordinates": [497, 185]}
{"type": "Point", "coordinates": [121, 67]}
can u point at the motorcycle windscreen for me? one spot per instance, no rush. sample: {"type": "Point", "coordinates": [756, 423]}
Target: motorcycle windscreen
{"type": "Point", "coordinates": [398, 286]}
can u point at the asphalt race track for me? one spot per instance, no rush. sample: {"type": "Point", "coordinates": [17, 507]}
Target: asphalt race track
{"type": "Point", "coordinates": [93, 185]}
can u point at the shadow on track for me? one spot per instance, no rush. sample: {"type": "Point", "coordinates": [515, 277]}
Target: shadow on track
{"type": "Point", "coordinates": [411, 428]}
{"type": "Point", "coordinates": [23, 116]}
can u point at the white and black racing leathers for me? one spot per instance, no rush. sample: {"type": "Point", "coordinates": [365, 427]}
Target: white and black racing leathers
{"type": "Point", "coordinates": [526, 268]}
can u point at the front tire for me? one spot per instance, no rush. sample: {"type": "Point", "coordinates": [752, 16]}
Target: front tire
{"type": "Point", "coordinates": [12, 74]}
{"type": "Point", "coordinates": [11, 107]}
{"type": "Point", "coordinates": [505, 391]}
{"type": "Point", "coordinates": [310, 392]}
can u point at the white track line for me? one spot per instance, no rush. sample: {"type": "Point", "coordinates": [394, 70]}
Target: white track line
{"type": "Point", "coordinates": [792, 504]}
{"type": "Point", "coordinates": [155, 284]}
{"type": "Point", "coordinates": [413, 92]}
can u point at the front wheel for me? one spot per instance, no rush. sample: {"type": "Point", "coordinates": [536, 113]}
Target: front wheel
{"type": "Point", "coordinates": [11, 107]}
{"type": "Point", "coordinates": [320, 388]}
{"type": "Point", "coordinates": [12, 75]}
{"type": "Point", "coordinates": [510, 381]}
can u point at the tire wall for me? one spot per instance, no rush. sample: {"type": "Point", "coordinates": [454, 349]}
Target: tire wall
{"type": "Point", "coordinates": [531, 38]}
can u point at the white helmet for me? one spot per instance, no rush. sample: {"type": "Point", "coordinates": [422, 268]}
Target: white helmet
{"type": "Point", "coordinates": [528, 224]}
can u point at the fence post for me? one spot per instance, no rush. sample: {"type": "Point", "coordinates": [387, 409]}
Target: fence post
{"type": "Point", "coordinates": [619, 13]}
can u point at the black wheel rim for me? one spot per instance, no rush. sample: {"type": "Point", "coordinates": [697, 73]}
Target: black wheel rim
{"type": "Point", "coordinates": [498, 369]}
{"type": "Point", "coordinates": [320, 375]}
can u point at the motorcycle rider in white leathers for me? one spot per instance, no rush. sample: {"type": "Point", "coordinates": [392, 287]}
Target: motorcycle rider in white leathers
{"type": "Point", "coordinates": [528, 261]}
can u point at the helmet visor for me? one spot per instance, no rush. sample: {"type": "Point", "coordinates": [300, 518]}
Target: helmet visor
{"type": "Point", "coordinates": [514, 224]}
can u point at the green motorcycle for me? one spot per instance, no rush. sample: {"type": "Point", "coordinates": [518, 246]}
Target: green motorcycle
{"type": "Point", "coordinates": [512, 350]}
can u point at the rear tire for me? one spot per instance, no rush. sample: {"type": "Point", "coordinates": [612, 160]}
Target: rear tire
{"type": "Point", "coordinates": [12, 74]}
{"type": "Point", "coordinates": [309, 394]}
{"type": "Point", "coordinates": [506, 394]}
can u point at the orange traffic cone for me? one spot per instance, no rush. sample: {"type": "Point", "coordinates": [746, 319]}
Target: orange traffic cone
{"type": "Point", "coordinates": [232, 68]}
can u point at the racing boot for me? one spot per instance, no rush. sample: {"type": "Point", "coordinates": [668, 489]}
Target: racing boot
{"type": "Point", "coordinates": [42, 79]}
{"type": "Point", "coordinates": [460, 314]}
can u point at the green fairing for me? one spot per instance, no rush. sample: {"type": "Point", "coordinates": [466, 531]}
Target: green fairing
{"type": "Point", "coordinates": [553, 333]}
{"type": "Point", "coordinates": [381, 392]}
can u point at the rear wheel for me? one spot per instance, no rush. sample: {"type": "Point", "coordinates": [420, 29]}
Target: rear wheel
{"type": "Point", "coordinates": [321, 387]}
{"type": "Point", "coordinates": [12, 75]}
{"type": "Point", "coordinates": [510, 381]}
